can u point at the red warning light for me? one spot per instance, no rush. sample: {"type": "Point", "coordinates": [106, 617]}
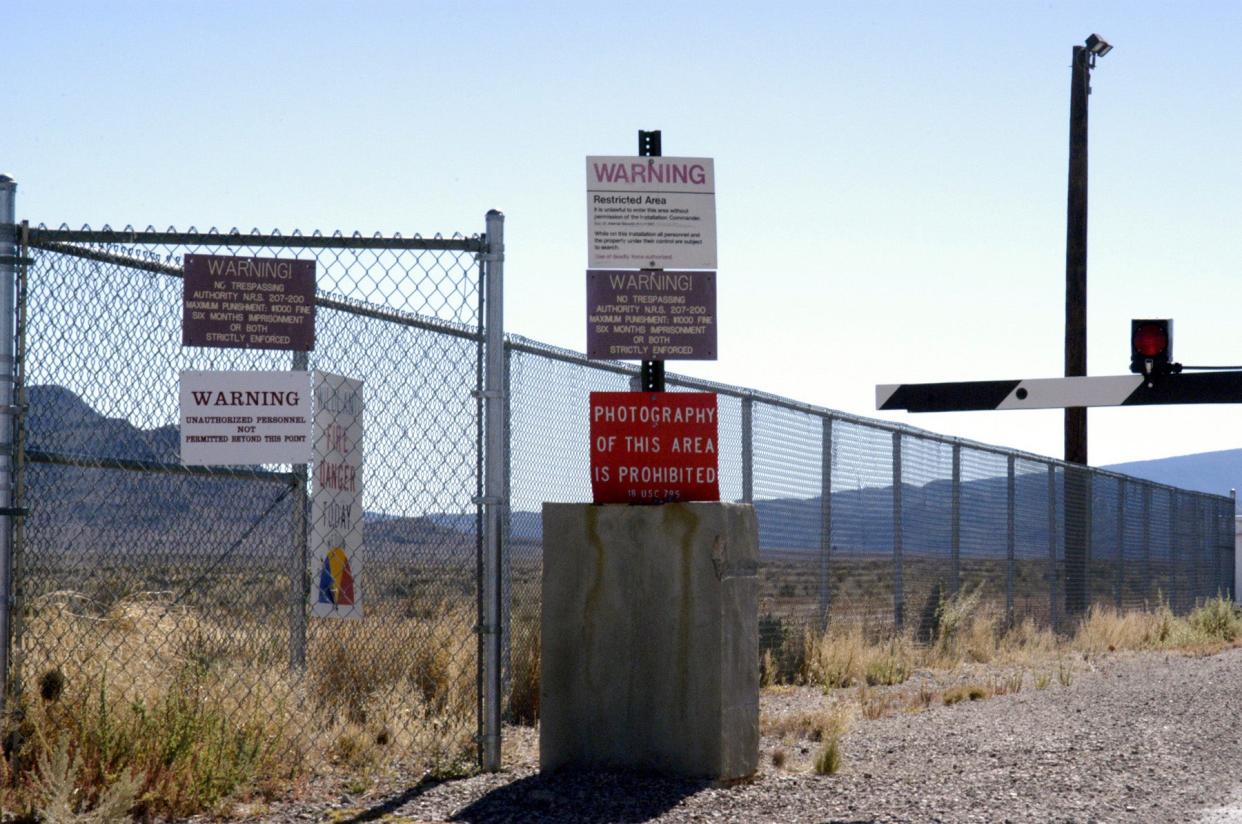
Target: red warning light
{"type": "Point", "coordinates": [1150, 340]}
{"type": "Point", "coordinates": [1151, 347]}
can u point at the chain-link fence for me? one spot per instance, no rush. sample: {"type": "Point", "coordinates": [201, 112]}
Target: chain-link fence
{"type": "Point", "coordinates": [139, 579]}
{"type": "Point", "coordinates": [861, 520]}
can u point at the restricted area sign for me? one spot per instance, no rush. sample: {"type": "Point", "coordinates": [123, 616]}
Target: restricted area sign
{"type": "Point", "coordinates": [248, 303]}
{"type": "Point", "coordinates": [235, 418]}
{"type": "Point", "coordinates": [651, 212]}
{"type": "Point", "coordinates": [651, 315]}
{"type": "Point", "coordinates": [654, 447]}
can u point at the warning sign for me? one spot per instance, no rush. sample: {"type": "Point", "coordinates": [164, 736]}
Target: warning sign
{"type": "Point", "coordinates": [336, 499]}
{"type": "Point", "coordinates": [248, 303]}
{"type": "Point", "coordinates": [651, 212]}
{"type": "Point", "coordinates": [654, 447]}
{"type": "Point", "coordinates": [651, 315]}
{"type": "Point", "coordinates": [241, 418]}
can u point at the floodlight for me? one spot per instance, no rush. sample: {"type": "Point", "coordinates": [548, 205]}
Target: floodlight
{"type": "Point", "coordinates": [1098, 45]}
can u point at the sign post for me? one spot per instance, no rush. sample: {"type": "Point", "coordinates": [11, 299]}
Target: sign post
{"type": "Point", "coordinates": [657, 215]}
{"type": "Point", "coordinates": [671, 589]}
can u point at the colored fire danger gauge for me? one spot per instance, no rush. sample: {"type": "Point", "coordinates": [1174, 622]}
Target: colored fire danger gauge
{"type": "Point", "coordinates": [336, 498]}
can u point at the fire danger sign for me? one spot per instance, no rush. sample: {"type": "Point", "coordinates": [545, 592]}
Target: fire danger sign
{"type": "Point", "coordinates": [654, 447]}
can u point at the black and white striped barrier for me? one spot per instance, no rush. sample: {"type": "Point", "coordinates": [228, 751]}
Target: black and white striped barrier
{"type": "Point", "coordinates": [1058, 393]}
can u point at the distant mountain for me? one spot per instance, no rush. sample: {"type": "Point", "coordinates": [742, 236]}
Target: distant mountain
{"type": "Point", "coordinates": [112, 511]}
{"type": "Point", "coordinates": [1215, 472]}
{"type": "Point", "coordinates": [104, 510]}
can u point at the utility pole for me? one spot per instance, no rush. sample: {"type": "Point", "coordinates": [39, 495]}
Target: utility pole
{"type": "Point", "coordinates": [1077, 501]}
{"type": "Point", "coordinates": [1076, 255]}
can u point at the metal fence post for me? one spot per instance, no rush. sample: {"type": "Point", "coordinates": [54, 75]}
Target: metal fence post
{"type": "Point", "coordinates": [1053, 577]}
{"type": "Point", "coordinates": [1177, 599]}
{"type": "Point", "coordinates": [899, 594]}
{"type": "Point", "coordinates": [1218, 547]}
{"type": "Point", "coordinates": [955, 523]}
{"type": "Point", "coordinates": [299, 558]}
{"type": "Point", "coordinates": [1148, 581]}
{"type": "Point", "coordinates": [8, 306]}
{"type": "Point", "coordinates": [495, 493]}
{"type": "Point", "coordinates": [1229, 541]}
{"type": "Point", "coordinates": [1196, 558]}
{"type": "Point", "coordinates": [506, 534]}
{"type": "Point", "coordinates": [748, 450]}
{"type": "Point", "coordinates": [1010, 560]}
{"type": "Point", "coordinates": [1119, 571]}
{"type": "Point", "coordinates": [825, 522]}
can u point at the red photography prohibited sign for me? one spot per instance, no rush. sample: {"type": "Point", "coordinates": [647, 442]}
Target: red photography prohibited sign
{"type": "Point", "coordinates": [654, 447]}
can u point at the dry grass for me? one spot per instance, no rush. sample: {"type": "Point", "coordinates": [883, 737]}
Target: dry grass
{"type": "Point", "coordinates": [966, 632]}
{"type": "Point", "coordinates": [846, 655]}
{"type": "Point", "coordinates": [831, 719]}
{"type": "Point", "coordinates": [966, 692]}
{"type": "Point", "coordinates": [828, 759]}
{"type": "Point", "coordinates": [149, 705]}
{"type": "Point", "coordinates": [524, 686]}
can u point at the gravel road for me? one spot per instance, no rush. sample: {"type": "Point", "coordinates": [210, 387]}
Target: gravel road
{"type": "Point", "coordinates": [1133, 738]}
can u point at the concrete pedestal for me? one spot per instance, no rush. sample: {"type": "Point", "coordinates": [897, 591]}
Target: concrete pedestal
{"type": "Point", "coordinates": [650, 638]}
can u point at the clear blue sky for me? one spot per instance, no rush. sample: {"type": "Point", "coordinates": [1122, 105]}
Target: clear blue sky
{"type": "Point", "coordinates": [891, 176]}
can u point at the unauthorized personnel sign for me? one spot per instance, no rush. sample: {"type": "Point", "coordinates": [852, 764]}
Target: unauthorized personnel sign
{"type": "Point", "coordinates": [651, 212]}
{"type": "Point", "coordinates": [654, 447]}
{"type": "Point", "coordinates": [651, 315]}
{"type": "Point", "coordinates": [241, 418]}
{"type": "Point", "coordinates": [248, 303]}
{"type": "Point", "coordinates": [336, 499]}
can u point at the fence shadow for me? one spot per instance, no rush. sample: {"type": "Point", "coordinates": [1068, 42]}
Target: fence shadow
{"type": "Point", "coordinates": [584, 796]}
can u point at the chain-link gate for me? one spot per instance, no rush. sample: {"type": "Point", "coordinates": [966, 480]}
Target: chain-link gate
{"type": "Point", "coordinates": [139, 581]}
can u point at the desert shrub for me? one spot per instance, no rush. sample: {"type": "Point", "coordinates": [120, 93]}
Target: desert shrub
{"type": "Point", "coordinates": [828, 759]}
{"type": "Point", "coordinates": [953, 615]}
{"type": "Point", "coordinates": [1217, 619]}
{"type": "Point", "coordinates": [873, 704]}
{"type": "Point", "coordinates": [837, 658]}
{"type": "Point", "coordinates": [782, 651]}
{"type": "Point", "coordinates": [890, 664]}
{"type": "Point", "coordinates": [965, 692]}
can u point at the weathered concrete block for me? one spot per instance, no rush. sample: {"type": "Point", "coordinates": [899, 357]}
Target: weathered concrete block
{"type": "Point", "coordinates": [650, 638]}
